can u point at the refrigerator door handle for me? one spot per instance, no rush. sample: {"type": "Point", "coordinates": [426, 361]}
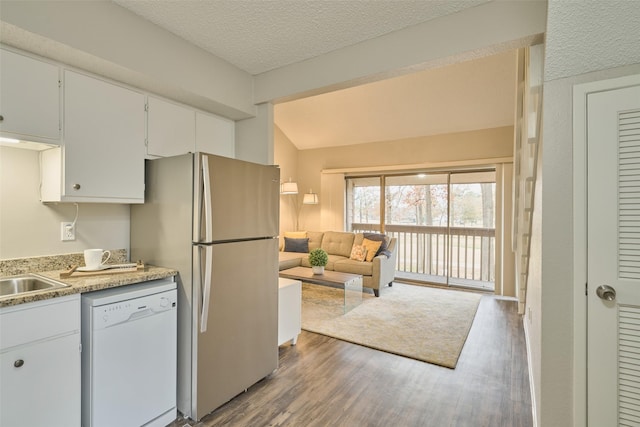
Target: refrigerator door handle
{"type": "Point", "coordinates": [206, 288]}
{"type": "Point", "coordinates": [206, 177]}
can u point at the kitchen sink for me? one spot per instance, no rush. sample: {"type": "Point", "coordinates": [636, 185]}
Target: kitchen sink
{"type": "Point", "coordinates": [16, 285]}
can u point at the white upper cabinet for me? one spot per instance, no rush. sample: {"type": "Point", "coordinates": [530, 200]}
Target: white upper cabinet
{"type": "Point", "coordinates": [102, 159]}
{"type": "Point", "coordinates": [174, 129]}
{"type": "Point", "coordinates": [171, 128]}
{"type": "Point", "coordinates": [215, 135]}
{"type": "Point", "coordinates": [29, 98]}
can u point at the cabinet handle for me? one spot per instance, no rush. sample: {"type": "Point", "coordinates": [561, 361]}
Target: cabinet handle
{"type": "Point", "coordinates": [18, 363]}
{"type": "Point", "coordinates": [1, 118]}
{"type": "Point", "coordinates": [76, 186]}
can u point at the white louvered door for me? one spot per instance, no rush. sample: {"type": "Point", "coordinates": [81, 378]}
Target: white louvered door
{"type": "Point", "coordinates": [613, 256]}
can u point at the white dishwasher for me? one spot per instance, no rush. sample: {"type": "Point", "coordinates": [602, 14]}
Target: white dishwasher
{"type": "Point", "coordinates": [129, 348]}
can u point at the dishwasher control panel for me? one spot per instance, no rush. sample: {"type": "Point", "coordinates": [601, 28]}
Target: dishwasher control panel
{"type": "Point", "coordinates": [127, 303]}
{"type": "Point", "coordinates": [125, 311]}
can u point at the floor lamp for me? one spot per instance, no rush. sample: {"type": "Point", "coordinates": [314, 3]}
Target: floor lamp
{"type": "Point", "coordinates": [309, 198]}
{"type": "Point", "coordinates": [291, 188]}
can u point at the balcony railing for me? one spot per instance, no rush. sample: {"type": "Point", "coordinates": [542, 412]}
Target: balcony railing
{"type": "Point", "coordinates": [466, 255]}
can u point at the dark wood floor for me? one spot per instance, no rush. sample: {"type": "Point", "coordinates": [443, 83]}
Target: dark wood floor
{"type": "Point", "coordinates": [326, 382]}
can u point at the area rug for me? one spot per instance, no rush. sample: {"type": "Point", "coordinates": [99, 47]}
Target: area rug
{"type": "Point", "coordinates": [422, 323]}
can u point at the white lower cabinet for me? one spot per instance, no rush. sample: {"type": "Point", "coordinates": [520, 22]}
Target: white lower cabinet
{"type": "Point", "coordinates": [41, 384]}
{"type": "Point", "coordinates": [40, 379]}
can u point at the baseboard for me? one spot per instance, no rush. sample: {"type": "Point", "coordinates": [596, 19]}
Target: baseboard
{"type": "Point", "coordinates": [531, 382]}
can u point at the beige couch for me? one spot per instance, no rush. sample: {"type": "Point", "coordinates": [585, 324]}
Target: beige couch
{"type": "Point", "coordinates": [375, 274]}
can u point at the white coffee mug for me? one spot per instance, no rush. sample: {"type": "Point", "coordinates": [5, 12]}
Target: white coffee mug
{"type": "Point", "coordinates": [93, 258]}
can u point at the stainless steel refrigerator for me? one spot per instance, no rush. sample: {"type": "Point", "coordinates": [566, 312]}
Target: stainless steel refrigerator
{"type": "Point", "coordinates": [215, 220]}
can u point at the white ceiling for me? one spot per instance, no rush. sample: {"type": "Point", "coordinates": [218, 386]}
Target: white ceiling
{"type": "Point", "coordinates": [260, 35]}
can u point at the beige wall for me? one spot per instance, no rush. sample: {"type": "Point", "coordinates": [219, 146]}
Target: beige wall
{"type": "Point", "coordinates": [437, 149]}
{"type": "Point", "coordinates": [31, 228]}
{"type": "Point", "coordinates": [286, 156]}
{"type": "Point", "coordinates": [443, 149]}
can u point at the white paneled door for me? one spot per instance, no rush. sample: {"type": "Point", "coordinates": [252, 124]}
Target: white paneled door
{"type": "Point", "coordinates": [613, 257]}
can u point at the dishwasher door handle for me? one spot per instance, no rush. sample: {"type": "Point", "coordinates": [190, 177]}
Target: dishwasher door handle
{"type": "Point", "coordinates": [142, 313]}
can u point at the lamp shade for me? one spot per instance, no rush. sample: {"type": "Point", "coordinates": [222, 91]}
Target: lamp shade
{"type": "Point", "coordinates": [310, 198]}
{"type": "Point", "coordinates": [289, 187]}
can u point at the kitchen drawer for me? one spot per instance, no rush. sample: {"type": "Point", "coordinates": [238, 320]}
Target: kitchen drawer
{"type": "Point", "coordinates": [39, 320]}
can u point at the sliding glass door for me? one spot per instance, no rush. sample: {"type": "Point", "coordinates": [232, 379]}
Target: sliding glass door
{"type": "Point", "coordinates": [417, 215]}
{"type": "Point", "coordinates": [444, 223]}
{"type": "Point", "coordinates": [472, 230]}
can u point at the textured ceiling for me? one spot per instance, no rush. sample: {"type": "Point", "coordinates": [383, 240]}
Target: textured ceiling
{"type": "Point", "coordinates": [260, 35]}
{"type": "Point", "coordinates": [467, 96]}
{"type": "Point", "coordinates": [584, 39]}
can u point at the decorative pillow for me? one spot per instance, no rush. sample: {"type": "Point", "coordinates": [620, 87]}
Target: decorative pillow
{"type": "Point", "coordinates": [372, 248]}
{"type": "Point", "coordinates": [295, 234]}
{"type": "Point", "coordinates": [379, 238]}
{"type": "Point", "coordinates": [296, 245]}
{"type": "Point", "coordinates": [358, 252]}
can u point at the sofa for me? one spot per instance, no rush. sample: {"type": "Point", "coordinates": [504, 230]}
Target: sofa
{"type": "Point", "coordinates": [377, 270]}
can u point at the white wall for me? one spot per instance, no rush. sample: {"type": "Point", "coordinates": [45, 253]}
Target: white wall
{"type": "Point", "coordinates": [31, 228]}
{"type": "Point", "coordinates": [254, 136]}
{"type": "Point", "coordinates": [581, 36]}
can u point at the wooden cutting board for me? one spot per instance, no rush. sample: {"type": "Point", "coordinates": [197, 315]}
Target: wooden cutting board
{"type": "Point", "coordinates": [112, 269]}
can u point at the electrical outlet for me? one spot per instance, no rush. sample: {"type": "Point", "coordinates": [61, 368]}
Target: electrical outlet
{"type": "Point", "coordinates": [67, 231]}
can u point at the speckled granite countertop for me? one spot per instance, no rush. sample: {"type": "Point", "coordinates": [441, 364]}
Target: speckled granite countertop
{"type": "Point", "coordinates": [87, 284]}
{"type": "Point", "coordinates": [51, 267]}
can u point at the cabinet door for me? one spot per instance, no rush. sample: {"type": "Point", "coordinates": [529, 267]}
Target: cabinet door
{"type": "Point", "coordinates": [215, 135]}
{"type": "Point", "coordinates": [29, 98]}
{"type": "Point", "coordinates": [103, 140]}
{"type": "Point", "coordinates": [170, 128]}
{"type": "Point", "coordinates": [41, 384]}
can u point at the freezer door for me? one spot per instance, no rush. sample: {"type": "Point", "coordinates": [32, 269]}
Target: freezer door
{"type": "Point", "coordinates": [239, 346]}
{"type": "Point", "coordinates": [243, 202]}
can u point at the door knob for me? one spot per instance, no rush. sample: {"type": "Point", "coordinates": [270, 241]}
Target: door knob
{"type": "Point", "coordinates": [606, 292]}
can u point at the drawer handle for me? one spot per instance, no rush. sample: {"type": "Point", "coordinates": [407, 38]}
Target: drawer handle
{"type": "Point", "coordinates": [18, 363]}
{"type": "Point", "coordinates": [1, 118]}
{"type": "Point", "coordinates": [76, 186]}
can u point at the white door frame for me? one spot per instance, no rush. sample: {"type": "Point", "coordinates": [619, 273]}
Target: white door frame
{"type": "Point", "coordinates": [580, 93]}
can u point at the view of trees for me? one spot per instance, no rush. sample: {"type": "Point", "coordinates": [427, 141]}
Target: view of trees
{"type": "Point", "coordinates": [472, 204]}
